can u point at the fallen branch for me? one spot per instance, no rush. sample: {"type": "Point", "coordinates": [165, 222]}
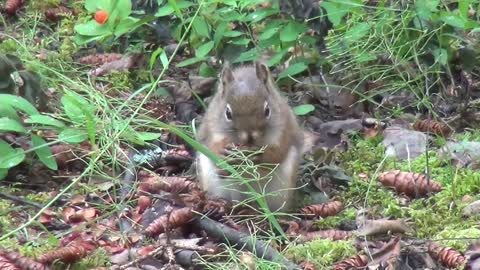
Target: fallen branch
{"type": "Point", "coordinates": [19, 200]}
{"type": "Point", "coordinates": [258, 247]}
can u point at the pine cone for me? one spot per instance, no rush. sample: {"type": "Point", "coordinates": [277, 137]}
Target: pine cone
{"type": "Point", "coordinates": [99, 59]}
{"type": "Point", "coordinates": [11, 6]}
{"type": "Point", "coordinates": [411, 184]}
{"type": "Point", "coordinates": [170, 184]}
{"type": "Point", "coordinates": [57, 13]}
{"type": "Point", "coordinates": [354, 262]}
{"type": "Point", "coordinates": [432, 126]}
{"type": "Point", "coordinates": [323, 209]}
{"type": "Point", "coordinates": [68, 254]}
{"type": "Point", "coordinates": [15, 259]}
{"type": "Point", "coordinates": [175, 219]}
{"type": "Point", "coordinates": [447, 256]}
{"type": "Point", "coordinates": [334, 235]}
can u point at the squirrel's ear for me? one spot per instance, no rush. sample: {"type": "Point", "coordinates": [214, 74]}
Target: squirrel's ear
{"type": "Point", "coordinates": [262, 71]}
{"type": "Point", "coordinates": [227, 74]}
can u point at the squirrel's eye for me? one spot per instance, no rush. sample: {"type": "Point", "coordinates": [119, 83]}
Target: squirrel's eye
{"type": "Point", "coordinates": [228, 113]}
{"type": "Point", "coordinates": [267, 110]}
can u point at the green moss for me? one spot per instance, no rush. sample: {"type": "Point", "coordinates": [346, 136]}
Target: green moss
{"type": "Point", "coordinates": [322, 253]}
{"type": "Point", "coordinates": [8, 46]}
{"type": "Point", "coordinates": [38, 197]}
{"type": "Point", "coordinates": [96, 259]}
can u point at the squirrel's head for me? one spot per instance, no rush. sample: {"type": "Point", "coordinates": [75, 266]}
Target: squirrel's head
{"type": "Point", "coordinates": [249, 108]}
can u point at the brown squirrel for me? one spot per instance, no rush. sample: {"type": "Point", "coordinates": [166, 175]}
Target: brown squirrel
{"type": "Point", "coordinates": [248, 111]}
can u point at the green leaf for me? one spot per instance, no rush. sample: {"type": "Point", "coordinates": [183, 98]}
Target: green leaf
{"type": "Point", "coordinates": [190, 61]}
{"type": "Point", "coordinates": [217, 37]}
{"type": "Point", "coordinates": [206, 71]}
{"type": "Point", "coordinates": [82, 40]}
{"type": "Point", "coordinates": [276, 58]}
{"type": "Point", "coordinates": [249, 55]}
{"type": "Point", "coordinates": [71, 105]}
{"type": "Point", "coordinates": [293, 70]}
{"type": "Point", "coordinates": [357, 32]}
{"type": "Point", "coordinates": [233, 34]}
{"type": "Point", "coordinates": [18, 102]}
{"type": "Point", "coordinates": [44, 120]}
{"type": "Point", "coordinates": [10, 157]}
{"type": "Point", "coordinates": [303, 109]}
{"type": "Point", "coordinates": [7, 124]}
{"type": "Point", "coordinates": [168, 9]}
{"type": "Point", "coordinates": [241, 41]}
{"type": "Point", "coordinates": [148, 136]}
{"type": "Point", "coordinates": [154, 56]}
{"type": "Point", "coordinates": [200, 26]}
{"type": "Point", "coordinates": [43, 152]}
{"type": "Point", "coordinates": [9, 112]}
{"type": "Point", "coordinates": [425, 8]}
{"type": "Point", "coordinates": [204, 49]}
{"type": "Point", "coordinates": [124, 8]}
{"type": "Point", "coordinates": [72, 135]}
{"type": "Point", "coordinates": [91, 5]}
{"type": "Point", "coordinates": [164, 59]}
{"type": "Point", "coordinates": [441, 56]}
{"type": "Point", "coordinates": [268, 33]}
{"type": "Point", "coordinates": [175, 7]}
{"type": "Point", "coordinates": [292, 31]}
{"type": "Point", "coordinates": [261, 14]}
{"type": "Point", "coordinates": [335, 12]}
{"type": "Point", "coordinates": [126, 25]}
{"type": "Point", "coordinates": [453, 19]}
{"type": "Point", "coordinates": [463, 7]}
{"type": "Point", "coordinates": [92, 28]}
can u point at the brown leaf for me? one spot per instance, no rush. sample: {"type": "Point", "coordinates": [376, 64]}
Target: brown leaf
{"type": "Point", "coordinates": [447, 256]}
{"type": "Point", "coordinates": [123, 64]}
{"type": "Point", "coordinates": [88, 213]}
{"type": "Point", "coordinates": [411, 184]}
{"type": "Point", "coordinates": [323, 209]}
{"type": "Point", "coordinates": [388, 254]}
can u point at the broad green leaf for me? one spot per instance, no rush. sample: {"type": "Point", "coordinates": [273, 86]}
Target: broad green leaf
{"type": "Point", "coordinates": [18, 102]}
{"type": "Point", "coordinates": [43, 152]}
{"type": "Point", "coordinates": [293, 70]}
{"type": "Point", "coordinates": [241, 41]}
{"type": "Point", "coordinates": [190, 61]}
{"type": "Point", "coordinates": [82, 40]}
{"type": "Point", "coordinates": [175, 7]}
{"type": "Point", "coordinates": [124, 8]}
{"type": "Point", "coordinates": [148, 136]}
{"type": "Point", "coordinates": [91, 5]}
{"type": "Point", "coordinates": [126, 25]}
{"type": "Point", "coordinates": [75, 106]}
{"type": "Point", "coordinates": [164, 59]}
{"type": "Point", "coordinates": [453, 19]}
{"type": "Point", "coordinates": [357, 32]}
{"type": "Point", "coordinates": [10, 157]}
{"type": "Point", "coordinates": [303, 109]}
{"type": "Point", "coordinates": [92, 28]}
{"type": "Point", "coordinates": [441, 56]}
{"type": "Point", "coordinates": [206, 71]}
{"type": "Point", "coordinates": [233, 34]}
{"type": "Point", "coordinates": [268, 33]}
{"type": "Point", "coordinates": [249, 55]}
{"type": "Point", "coordinates": [9, 112]}
{"type": "Point", "coordinates": [217, 37]}
{"type": "Point", "coordinates": [463, 7]}
{"type": "Point", "coordinates": [425, 8]}
{"type": "Point", "coordinates": [200, 26]}
{"type": "Point", "coordinates": [292, 31]}
{"type": "Point", "coordinates": [72, 135]}
{"type": "Point", "coordinates": [261, 14]}
{"type": "Point", "coordinates": [7, 124]}
{"type": "Point", "coordinates": [204, 49]}
{"type": "Point", "coordinates": [335, 12]}
{"type": "Point", "coordinates": [276, 58]}
{"type": "Point", "coordinates": [154, 56]}
{"type": "Point", "coordinates": [44, 120]}
{"type": "Point", "coordinates": [166, 10]}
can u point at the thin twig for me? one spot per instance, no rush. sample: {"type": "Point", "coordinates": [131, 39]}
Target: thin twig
{"type": "Point", "coordinates": [20, 200]}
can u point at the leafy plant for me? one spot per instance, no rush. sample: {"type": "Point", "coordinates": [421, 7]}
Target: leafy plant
{"type": "Point", "coordinates": [115, 20]}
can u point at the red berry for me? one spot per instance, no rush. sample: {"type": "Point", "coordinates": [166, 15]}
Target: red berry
{"type": "Point", "coordinates": [101, 16]}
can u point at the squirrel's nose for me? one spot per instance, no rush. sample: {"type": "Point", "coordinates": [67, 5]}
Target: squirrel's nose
{"type": "Point", "coordinates": [247, 138]}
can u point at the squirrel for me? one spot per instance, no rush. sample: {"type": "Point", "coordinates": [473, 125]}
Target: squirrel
{"type": "Point", "coordinates": [247, 110]}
